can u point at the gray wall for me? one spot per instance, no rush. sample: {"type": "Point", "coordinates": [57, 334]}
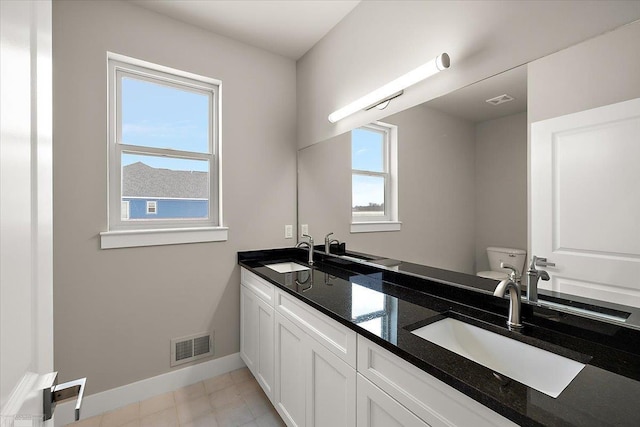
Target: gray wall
{"type": "Point", "coordinates": [435, 198]}
{"type": "Point", "coordinates": [597, 72]}
{"type": "Point", "coordinates": [116, 310]}
{"type": "Point", "coordinates": [380, 40]}
{"type": "Point", "coordinates": [501, 185]}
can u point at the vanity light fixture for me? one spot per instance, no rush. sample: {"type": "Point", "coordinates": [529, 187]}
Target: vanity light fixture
{"type": "Point", "coordinates": [393, 89]}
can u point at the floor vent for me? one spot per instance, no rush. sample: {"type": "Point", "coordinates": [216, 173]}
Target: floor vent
{"type": "Point", "coordinates": [190, 348]}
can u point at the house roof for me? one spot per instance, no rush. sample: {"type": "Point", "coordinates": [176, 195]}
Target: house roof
{"type": "Point", "coordinates": [141, 180]}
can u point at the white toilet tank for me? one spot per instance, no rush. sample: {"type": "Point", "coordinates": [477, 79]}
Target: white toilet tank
{"type": "Point", "coordinates": [497, 255]}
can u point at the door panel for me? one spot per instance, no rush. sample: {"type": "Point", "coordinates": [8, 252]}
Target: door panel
{"type": "Point", "coordinates": [248, 328]}
{"type": "Point", "coordinates": [331, 389]}
{"type": "Point", "coordinates": [378, 409]}
{"type": "Point", "coordinates": [289, 396]}
{"type": "Point", "coordinates": [585, 201]}
{"type": "Point", "coordinates": [264, 362]}
{"type": "Point", "coordinates": [26, 305]}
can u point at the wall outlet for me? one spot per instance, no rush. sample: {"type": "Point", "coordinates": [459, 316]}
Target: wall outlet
{"type": "Point", "coordinates": [288, 231]}
{"type": "Point", "coordinates": [304, 229]}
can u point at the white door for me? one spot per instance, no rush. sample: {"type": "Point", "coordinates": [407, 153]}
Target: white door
{"type": "Point", "coordinates": [585, 202]}
{"type": "Point", "coordinates": [377, 409]}
{"type": "Point", "coordinates": [248, 328]}
{"type": "Point", "coordinates": [290, 353]}
{"type": "Point", "coordinates": [331, 389]}
{"type": "Point", "coordinates": [26, 323]}
{"type": "Point", "coordinates": [265, 339]}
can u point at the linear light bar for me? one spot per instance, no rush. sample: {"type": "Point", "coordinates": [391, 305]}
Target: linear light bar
{"type": "Point", "coordinates": [439, 63]}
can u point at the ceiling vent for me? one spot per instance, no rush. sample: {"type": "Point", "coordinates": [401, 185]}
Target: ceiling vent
{"type": "Point", "coordinates": [190, 348]}
{"type": "Point", "coordinates": [500, 99]}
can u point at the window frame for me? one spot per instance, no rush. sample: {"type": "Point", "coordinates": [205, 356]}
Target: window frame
{"type": "Point", "coordinates": [389, 220]}
{"type": "Point", "coordinates": [122, 233]}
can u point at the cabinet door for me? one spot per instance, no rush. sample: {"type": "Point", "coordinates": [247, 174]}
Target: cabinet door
{"type": "Point", "coordinates": [265, 334]}
{"type": "Point", "coordinates": [290, 366]}
{"type": "Point", "coordinates": [248, 328]}
{"type": "Point", "coordinates": [377, 409]}
{"type": "Point", "coordinates": [331, 389]}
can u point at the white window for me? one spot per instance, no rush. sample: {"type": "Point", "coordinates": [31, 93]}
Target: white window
{"type": "Point", "coordinates": [374, 180]}
{"type": "Point", "coordinates": [124, 209]}
{"type": "Point", "coordinates": [152, 207]}
{"type": "Point", "coordinates": [164, 144]}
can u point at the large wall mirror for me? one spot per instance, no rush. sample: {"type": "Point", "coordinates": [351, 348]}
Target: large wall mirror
{"type": "Point", "coordinates": [462, 171]}
{"type": "Point", "coordinates": [461, 179]}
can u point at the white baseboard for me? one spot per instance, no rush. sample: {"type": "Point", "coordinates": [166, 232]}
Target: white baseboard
{"type": "Point", "coordinates": [108, 400]}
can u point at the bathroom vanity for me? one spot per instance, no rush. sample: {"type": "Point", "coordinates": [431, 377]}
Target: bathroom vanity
{"type": "Point", "coordinates": [342, 343]}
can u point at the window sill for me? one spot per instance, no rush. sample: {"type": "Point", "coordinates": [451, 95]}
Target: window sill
{"type": "Point", "coordinates": [158, 237]}
{"type": "Point", "coordinates": [375, 226]}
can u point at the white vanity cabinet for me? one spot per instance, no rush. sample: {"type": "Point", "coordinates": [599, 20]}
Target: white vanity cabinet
{"type": "Point", "coordinates": [315, 386]}
{"type": "Point", "coordinates": [257, 323]}
{"type": "Point", "coordinates": [376, 408]}
{"type": "Point", "coordinates": [289, 397]}
{"type": "Point", "coordinates": [434, 402]}
{"type": "Point", "coordinates": [306, 363]}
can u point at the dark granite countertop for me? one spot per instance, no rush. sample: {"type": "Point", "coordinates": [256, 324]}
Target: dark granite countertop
{"type": "Point", "coordinates": [385, 307]}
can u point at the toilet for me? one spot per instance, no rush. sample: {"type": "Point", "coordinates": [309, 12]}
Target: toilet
{"type": "Point", "coordinates": [515, 257]}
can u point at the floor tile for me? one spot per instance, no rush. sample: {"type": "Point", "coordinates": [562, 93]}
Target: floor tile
{"type": "Point", "coordinates": [218, 383]}
{"type": "Point", "coordinates": [208, 420]}
{"type": "Point", "coordinates": [165, 418]}
{"type": "Point", "coordinates": [156, 404]}
{"type": "Point", "coordinates": [234, 417]}
{"type": "Point", "coordinates": [88, 422]}
{"type": "Point", "coordinates": [226, 398]}
{"type": "Point", "coordinates": [241, 375]}
{"type": "Point", "coordinates": [248, 386]}
{"type": "Point", "coordinates": [234, 399]}
{"type": "Point", "coordinates": [190, 392]}
{"type": "Point", "coordinates": [258, 403]}
{"type": "Point", "coordinates": [122, 416]}
{"type": "Point", "coordinates": [271, 419]}
{"type": "Point", "coordinates": [193, 409]}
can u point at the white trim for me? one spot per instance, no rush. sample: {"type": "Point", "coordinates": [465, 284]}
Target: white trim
{"type": "Point", "coordinates": [108, 400]}
{"type": "Point", "coordinates": [159, 237]}
{"type": "Point", "coordinates": [119, 66]}
{"type": "Point", "coordinates": [390, 175]}
{"type": "Point", "coordinates": [372, 227]}
{"type": "Point", "coordinates": [21, 393]}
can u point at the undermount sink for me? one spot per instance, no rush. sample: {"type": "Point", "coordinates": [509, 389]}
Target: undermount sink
{"type": "Point", "coordinates": [287, 267]}
{"type": "Point", "coordinates": [542, 370]}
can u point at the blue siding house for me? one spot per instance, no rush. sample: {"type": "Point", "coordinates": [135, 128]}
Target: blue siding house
{"type": "Point", "coordinates": [154, 193]}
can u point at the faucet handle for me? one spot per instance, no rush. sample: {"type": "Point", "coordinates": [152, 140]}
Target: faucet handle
{"type": "Point", "coordinates": [327, 236]}
{"type": "Point", "coordinates": [514, 271]}
{"type": "Point", "coordinates": [542, 262]}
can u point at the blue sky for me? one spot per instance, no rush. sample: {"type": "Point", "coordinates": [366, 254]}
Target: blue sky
{"type": "Point", "coordinates": [160, 116]}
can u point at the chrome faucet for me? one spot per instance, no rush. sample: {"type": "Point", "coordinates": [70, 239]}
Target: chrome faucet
{"type": "Point", "coordinates": [309, 245]}
{"type": "Point", "coordinates": [513, 275]}
{"type": "Point", "coordinates": [533, 275]}
{"type": "Point", "coordinates": [328, 242]}
{"type": "Point", "coordinates": [508, 285]}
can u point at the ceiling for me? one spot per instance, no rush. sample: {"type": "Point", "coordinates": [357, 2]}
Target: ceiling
{"type": "Point", "coordinates": [285, 27]}
{"type": "Point", "coordinates": [470, 102]}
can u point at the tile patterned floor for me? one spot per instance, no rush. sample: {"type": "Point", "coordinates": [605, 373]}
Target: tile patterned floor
{"type": "Point", "coordinates": [230, 400]}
